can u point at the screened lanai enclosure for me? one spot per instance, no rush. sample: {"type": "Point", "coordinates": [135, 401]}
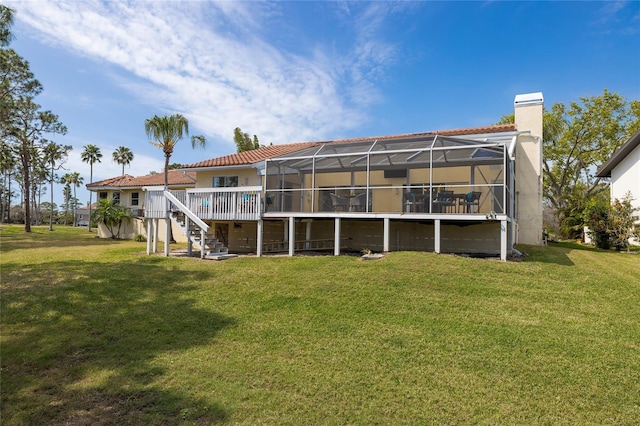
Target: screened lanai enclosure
{"type": "Point", "coordinates": [426, 176]}
{"type": "Point", "coordinates": [425, 192]}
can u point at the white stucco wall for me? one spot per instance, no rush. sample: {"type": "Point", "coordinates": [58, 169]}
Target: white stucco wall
{"type": "Point", "coordinates": [625, 177]}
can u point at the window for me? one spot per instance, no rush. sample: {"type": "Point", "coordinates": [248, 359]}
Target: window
{"type": "Point", "coordinates": [135, 198]}
{"type": "Point", "coordinates": [116, 198]}
{"type": "Point", "coordinates": [102, 195]}
{"type": "Point", "coordinates": [225, 181]}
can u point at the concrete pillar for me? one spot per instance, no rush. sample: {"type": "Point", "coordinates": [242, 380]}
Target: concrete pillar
{"type": "Point", "coordinates": [259, 239]}
{"type": "Point", "coordinates": [156, 224]}
{"type": "Point", "coordinates": [503, 240]}
{"type": "Point", "coordinates": [385, 232]}
{"type": "Point", "coordinates": [307, 235]}
{"type": "Point", "coordinates": [436, 235]}
{"type": "Point", "coordinates": [292, 236]}
{"type": "Point", "coordinates": [336, 237]}
{"type": "Point", "coordinates": [149, 235]}
{"type": "Point", "coordinates": [189, 242]}
{"type": "Point", "coordinates": [202, 241]}
{"type": "Point", "coordinates": [167, 230]}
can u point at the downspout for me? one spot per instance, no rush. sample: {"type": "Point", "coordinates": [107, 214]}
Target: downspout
{"type": "Point", "coordinates": [512, 187]}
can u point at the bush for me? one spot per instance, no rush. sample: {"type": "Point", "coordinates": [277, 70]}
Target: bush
{"type": "Point", "coordinates": [611, 224]}
{"type": "Point", "coordinates": [596, 217]}
{"type": "Point", "coordinates": [140, 238]}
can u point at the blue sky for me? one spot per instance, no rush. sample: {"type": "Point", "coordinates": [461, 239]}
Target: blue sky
{"type": "Point", "coordinates": [299, 71]}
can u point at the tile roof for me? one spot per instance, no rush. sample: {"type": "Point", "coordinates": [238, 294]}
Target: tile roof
{"type": "Point", "coordinates": [253, 156]}
{"type": "Point", "coordinates": [127, 181]}
{"type": "Point", "coordinates": [273, 151]}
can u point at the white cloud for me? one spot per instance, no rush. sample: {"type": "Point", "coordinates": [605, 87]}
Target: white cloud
{"type": "Point", "coordinates": [207, 61]}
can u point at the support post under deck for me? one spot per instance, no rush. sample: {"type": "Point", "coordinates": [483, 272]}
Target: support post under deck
{"type": "Point", "coordinates": [292, 236]}
{"type": "Point", "coordinates": [259, 239]}
{"type": "Point", "coordinates": [167, 237]}
{"type": "Point", "coordinates": [336, 237]}
{"type": "Point", "coordinates": [385, 238]}
{"type": "Point", "coordinates": [503, 240]}
{"type": "Point", "coordinates": [149, 235]}
{"type": "Point", "coordinates": [436, 237]}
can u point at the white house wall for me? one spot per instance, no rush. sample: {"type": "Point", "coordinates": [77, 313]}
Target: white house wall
{"type": "Point", "coordinates": [625, 177]}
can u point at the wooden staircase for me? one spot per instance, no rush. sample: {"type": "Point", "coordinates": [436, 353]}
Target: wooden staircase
{"type": "Point", "coordinates": [210, 248]}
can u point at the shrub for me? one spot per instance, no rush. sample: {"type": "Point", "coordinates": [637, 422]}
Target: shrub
{"type": "Point", "coordinates": [140, 238]}
{"type": "Point", "coordinates": [611, 224]}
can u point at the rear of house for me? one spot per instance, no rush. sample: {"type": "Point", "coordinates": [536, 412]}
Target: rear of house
{"type": "Point", "coordinates": [473, 190]}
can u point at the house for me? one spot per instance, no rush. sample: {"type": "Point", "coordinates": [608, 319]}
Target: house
{"type": "Point", "coordinates": [128, 191]}
{"type": "Point", "coordinates": [82, 215]}
{"type": "Point", "coordinates": [623, 168]}
{"type": "Point", "coordinates": [474, 190]}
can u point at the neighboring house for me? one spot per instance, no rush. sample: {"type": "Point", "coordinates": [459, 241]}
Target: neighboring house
{"type": "Point", "coordinates": [476, 191]}
{"type": "Point", "coordinates": [128, 191]}
{"type": "Point", "coordinates": [624, 170]}
{"type": "Point", "coordinates": [82, 216]}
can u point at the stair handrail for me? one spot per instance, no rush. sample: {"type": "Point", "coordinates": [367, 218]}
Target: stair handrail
{"type": "Point", "coordinates": [186, 211]}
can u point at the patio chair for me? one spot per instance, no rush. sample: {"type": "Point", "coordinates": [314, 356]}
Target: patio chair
{"type": "Point", "coordinates": [444, 202]}
{"type": "Point", "coordinates": [339, 203]}
{"type": "Point", "coordinates": [470, 203]}
{"type": "Point", "coordinates": [357, 203]}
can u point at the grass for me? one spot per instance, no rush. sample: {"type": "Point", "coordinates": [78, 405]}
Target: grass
{"type": "Point", "coordinates": [96, 332]}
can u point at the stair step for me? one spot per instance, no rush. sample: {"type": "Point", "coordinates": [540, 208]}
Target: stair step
{"type": "Point", "coordinates": [220, 256]}
{"type": "Point", "coordinates": [213, 247]}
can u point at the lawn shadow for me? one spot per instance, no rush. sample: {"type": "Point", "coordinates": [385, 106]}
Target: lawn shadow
{"type": "Point", "coordinates": [89, 349]}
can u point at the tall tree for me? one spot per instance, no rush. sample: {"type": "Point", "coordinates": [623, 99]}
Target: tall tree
{"type": "Point", "coordinates": [75, 180]}
{"type": "Point", "coordinates": [30, 126]}
{"type": "Point", "coordinates": [243, 141]}
{"type": "Point", "coordinates": [66, 193]}
{"type": "Point", "coordinates": [91, 154]}
{"type": "Point", "coordinates": [577, 140]}
{"type": "Point", "coordinates": [23, 125]}
{"type": "Point", "coordinates": [123, 156]}
{"type": "Point", "coordinates": [165, 132]}
{"type": "Point", "coordinates": [8, 163]}
{"type": "Point", "coordinates": [6, 21]}
{"type": "Point", "coordinates": [54, 155]}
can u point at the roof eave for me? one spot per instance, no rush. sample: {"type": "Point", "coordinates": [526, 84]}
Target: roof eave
{"type": "Point", "coordinates": [619, 155]}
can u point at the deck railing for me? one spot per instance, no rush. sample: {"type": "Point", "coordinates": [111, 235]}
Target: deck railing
{"type": "Point", "coordinates": [248, 203]}
{"type": "Point", "coordinates": [243, 203]}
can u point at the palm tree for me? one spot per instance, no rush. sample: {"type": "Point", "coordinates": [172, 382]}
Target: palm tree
{"type": "Point", "coordinates": [112, 215]}
{"type": "Point", "coordinates": [165, 132]}
{"type": "Point", "coordinates": [123, 156]}
{"type": "Point", "coordinates": [54, 153]}
{"type": "Point", "coordinates": [66, 192]}
{"type": "Point", "coordinates": [76, 181]}
{"type": "Point", "coordinates": [91, 155]}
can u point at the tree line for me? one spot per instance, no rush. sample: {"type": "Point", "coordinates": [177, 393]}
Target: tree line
{"type": "Point", "coordinates": [29, 160]}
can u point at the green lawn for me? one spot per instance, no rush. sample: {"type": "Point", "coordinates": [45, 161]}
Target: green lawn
{"type": "Point", "coordinates": [96, 332]}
